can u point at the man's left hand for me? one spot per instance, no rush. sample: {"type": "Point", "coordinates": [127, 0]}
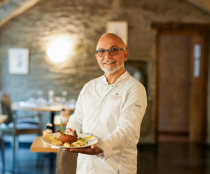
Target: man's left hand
{"type": "Point", "coordinates": [91, 150]}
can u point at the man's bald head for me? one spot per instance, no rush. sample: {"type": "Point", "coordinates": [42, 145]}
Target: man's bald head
{"type": "Point", "coordinates": [108, 36]}
{"type": "Point", "coordinates": [112, 53]}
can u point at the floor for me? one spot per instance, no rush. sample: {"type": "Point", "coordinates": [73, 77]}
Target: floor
{"type": "Point", "coordinates": [28, 162]}
{"type": "Point", "coordinates": [173, 137]}
{"type": "Point", "coordinates": [174, 158]}
{"type": "Point", "coordinates": [165, 158]}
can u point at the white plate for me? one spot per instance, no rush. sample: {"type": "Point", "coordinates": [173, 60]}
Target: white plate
{"type": "Point", "coordinates": [90, 141]}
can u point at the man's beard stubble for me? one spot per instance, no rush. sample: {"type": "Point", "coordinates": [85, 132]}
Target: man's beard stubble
{"type": "Point", "coordinates": [113, 70]}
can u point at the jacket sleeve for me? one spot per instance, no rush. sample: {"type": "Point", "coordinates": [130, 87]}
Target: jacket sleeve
{"type": "Point", "coordinates": [128, 126]}
{"type": "Point", "coordinates": [76, 119]}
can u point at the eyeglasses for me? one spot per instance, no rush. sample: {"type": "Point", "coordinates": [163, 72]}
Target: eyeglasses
{"type": "Point", "coordinates": [112, 51]}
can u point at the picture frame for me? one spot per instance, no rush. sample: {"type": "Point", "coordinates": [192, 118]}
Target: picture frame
{"type": "Point", "coordinates": [18, 61]}
{"type": "Point", "coordinates": [119, 28]}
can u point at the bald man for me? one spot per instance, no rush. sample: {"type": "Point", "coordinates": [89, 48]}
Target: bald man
{"type": "Point", "coordinates": [111, 108]}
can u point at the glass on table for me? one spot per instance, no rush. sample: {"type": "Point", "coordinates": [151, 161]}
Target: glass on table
{"type": "Point", "coordinates": [51, 98]}
{"type": "Point", "coordinates": [57, 99]}
{"type": "Point", "coordinates": [63, 99]}
{"type": "Point", "coordinates": [31, 100]}
{"type": "Point", "coordinates": [70, 103]}
{"type": "Point", "coordinates": [51, 93]}
{"type": "Point", "coordinates": [40, 100]}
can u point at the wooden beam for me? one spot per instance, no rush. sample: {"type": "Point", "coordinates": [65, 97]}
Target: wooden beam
{"type": "Point", "coordinates": [3, 1]}
{"type": "Point", "coordinates": [7, 13]}
{"type": "Point", "coordinates": [180, 26]}
{"type": "Point", "coordinates": [199, 4]}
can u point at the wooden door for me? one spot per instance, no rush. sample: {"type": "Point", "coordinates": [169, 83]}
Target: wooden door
{"type": "Point", "coordinates": [182, 84]}
{"type": "Point", "coordinates": [198, 89]}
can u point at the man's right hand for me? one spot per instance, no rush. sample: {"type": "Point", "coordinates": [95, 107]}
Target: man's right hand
{"type": "Point", "coordinates": [69, 130]}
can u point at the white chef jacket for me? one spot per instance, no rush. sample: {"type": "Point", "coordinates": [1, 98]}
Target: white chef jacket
{"type": "Point", "coordinates": [113, 116]}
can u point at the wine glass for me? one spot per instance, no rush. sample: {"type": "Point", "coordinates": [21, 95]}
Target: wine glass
{"type": "Point", "coordinates": [64, 94]}
{"type": "Point", "coordinates": [40, 99]}
{"type": "Point", "coordinates": [51, 97]}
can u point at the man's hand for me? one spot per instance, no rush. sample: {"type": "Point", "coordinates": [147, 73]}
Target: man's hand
{"type": "Point", "coordinates": [69, 130]}
{"type": "Point", "coordinates": [91, 150]}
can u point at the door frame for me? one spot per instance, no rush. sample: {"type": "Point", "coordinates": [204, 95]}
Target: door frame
{"type": "Point", "coordinates": [191, 30]}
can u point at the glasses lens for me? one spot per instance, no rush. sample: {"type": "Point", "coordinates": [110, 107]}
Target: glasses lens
{"type": "Point", "coordinates": [101, 53]}
{"type": "Point", "coordinates": [113, 51]}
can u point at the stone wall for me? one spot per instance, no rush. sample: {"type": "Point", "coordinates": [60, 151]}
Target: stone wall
{"type": "Point", "coordinates": [85, 21]}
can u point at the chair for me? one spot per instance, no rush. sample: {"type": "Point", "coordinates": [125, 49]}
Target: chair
{"type": "Point", "coordinates": [17, 125]}
{"type": "Point", "coordinates": [3, 119]}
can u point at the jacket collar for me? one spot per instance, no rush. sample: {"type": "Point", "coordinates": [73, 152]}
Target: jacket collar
{"type": "Point", "coordinates": [121, 78]}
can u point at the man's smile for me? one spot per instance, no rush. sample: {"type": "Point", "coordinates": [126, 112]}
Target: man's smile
{"type": "Point", "coordinates": [110, 62]}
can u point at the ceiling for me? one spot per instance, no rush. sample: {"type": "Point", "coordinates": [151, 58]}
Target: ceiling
{"type": "Point", "coordinates": [12, 8]}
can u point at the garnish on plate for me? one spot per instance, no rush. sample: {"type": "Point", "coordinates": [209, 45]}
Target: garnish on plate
{"type": "Point", "coordinates": [61, 124]}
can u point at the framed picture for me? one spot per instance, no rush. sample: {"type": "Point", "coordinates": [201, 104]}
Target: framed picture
{"type": "Point", "coordinates": [18, 61]}
{"type": "Point", "coordinates": [119, 28]}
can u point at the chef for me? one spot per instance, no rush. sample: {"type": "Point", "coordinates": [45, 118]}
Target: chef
{"type": "Point", "coordinates": [111, 108]}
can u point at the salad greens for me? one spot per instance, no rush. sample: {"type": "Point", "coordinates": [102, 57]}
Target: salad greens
{"type": "Point", "coordinates": [61, 124]}
{"type": "Point", "coordinates": [82, 139]}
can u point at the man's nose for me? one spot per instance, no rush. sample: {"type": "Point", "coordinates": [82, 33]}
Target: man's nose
{"type": "Point", "coordinates": [107, 55]}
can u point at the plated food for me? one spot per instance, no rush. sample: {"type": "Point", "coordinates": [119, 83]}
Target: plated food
{"type": "Point", "coordinates": [55, 141]}
{"type": "Point", "coordinates": [67, 138]}
{"type": "Point", "coordinates": [69, 141]}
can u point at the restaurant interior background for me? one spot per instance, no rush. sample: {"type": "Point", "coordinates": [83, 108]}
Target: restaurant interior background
{"type": "Point", "coordinates": [163, 37]}
{"type": "Point", "coordinates": [152, 25]}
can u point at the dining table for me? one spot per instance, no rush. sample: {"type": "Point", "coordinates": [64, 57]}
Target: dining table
{"type": "Point", "coordinates": [39, 146]}
{"type": "Point", "coordinates": [3, 119]}
{"type": "Point", "coordinates": [17, 106]}
{"type": "Point", "coordinates": [66, 162]}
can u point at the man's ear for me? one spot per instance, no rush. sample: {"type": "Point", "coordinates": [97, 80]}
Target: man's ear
{"type": "Point", "coordinates": [126, 54]}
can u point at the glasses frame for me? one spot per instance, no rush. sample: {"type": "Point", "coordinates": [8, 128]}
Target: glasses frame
{"type": "Point", "coordinates": [109, 52]}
